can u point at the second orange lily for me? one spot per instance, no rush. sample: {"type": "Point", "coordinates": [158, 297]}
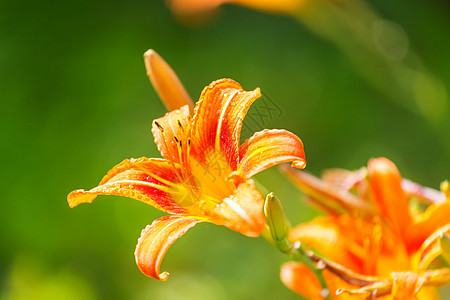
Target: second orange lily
{"type": "Point", "coordinates": [377, 245]}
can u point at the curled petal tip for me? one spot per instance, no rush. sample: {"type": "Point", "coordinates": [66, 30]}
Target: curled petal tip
{"type": "Point", "coordinates": [339, 291]}
{"type": "Point", "coordinates": [164, 276]}
{"type": "Point", "coordinates": [268, 148]}
{"type": "Point", "coordinates": [299, 164]}
{"type": "Point", "coordinates": [257, 92]}
{"type": "Point", "coordinates": [156, 239]}
{"type": "Point", "coordinates": [79, 196]}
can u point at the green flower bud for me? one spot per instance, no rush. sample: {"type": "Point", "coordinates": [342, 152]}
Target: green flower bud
{"type": "Point", "coordinates": [445, 188]}
{"type": "Point", "coordinates": [276, 221]}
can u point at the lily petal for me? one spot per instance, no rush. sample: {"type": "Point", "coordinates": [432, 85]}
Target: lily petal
{"type": "Point", "coordinates": [429, 250]}
{"type": "Point", "coordinates": [327, 194]}
{"type": "Point", "coordinates": [335, 238]}
{"type": "Point", "coordinates": [386, 184]}
{"type": "Point", "coordinates": [345, 179]}
{"type": "Point", "coordinates": [301, 280]}
{"type": "Point", "coordinates": [170, 132]}
{"type": "Point", "coordinates": [218, 117]}
{"type": "Point", "coordinates": [439, 277]}
{"type": "Point", "coordinates": [436, 216]}
{"type": "Point", "coordinates": [426, 194]}
{"type": "Point", "coordinates": [166, 82]}
{"type": "Point", "coordinates": [268, 148]}
{"type": "Point", "coordinates": [406, 285]}
{"type": "Point", "coordinates": [151, 181]}
{"type": "Point", "coordinates": [242, 211]}
{"type": "Point", "coordinates": [156, 239]}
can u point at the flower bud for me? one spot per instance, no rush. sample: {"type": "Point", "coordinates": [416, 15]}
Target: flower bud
{"type": "Point", "coordinates": [445, 188]}
{"type": "Point", "coordinates": [275, 218]}
{"type": "Point", "coordinates": [166, 82]}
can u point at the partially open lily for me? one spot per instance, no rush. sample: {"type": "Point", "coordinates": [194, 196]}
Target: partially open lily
{"type": "Point", "coordinates": [376, 245]}
{"type": "Point", "coordinates": [205, 173]}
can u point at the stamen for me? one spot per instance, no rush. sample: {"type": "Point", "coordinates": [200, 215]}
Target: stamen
{"type": "Point", "coordinates": [165, 140]}
{"type": "Point", "coordinates": [159, 126]}
{"type": "Point", "coordinates": [192, 184]}
{"type": "Point", "coordinates": [180, 152]}
{"type": "Point", "coordinates": [180, 125]}
{"type": "Point", "coordinates": [222, 116]}
{"type": "Point", "coordinates": [212, 199]}
{"type": "Point", "coordinates": [188, 154]}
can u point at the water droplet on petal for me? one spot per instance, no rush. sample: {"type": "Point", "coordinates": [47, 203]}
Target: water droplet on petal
{"type": "Point", "coordinates": [320, 265]}
{"type": "Point", "coordinates": [325, 292]}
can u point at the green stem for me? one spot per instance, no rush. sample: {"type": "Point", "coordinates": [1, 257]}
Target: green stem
{"type": "Point", "coordinates": [299, 254]}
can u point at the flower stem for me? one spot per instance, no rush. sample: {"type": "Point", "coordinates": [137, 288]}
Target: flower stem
{"type": "Point", "coordinates": [299, 254]}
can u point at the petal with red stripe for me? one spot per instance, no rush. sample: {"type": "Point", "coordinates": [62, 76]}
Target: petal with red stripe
{"type": "Point", "coordinates": [268, 148]}
{"type": "Point", "coordinates": [170, 133]}
{"type": "Point", "coordinates": [218, 118]}
{"type": "Point", "coordinates": [436, 216]}
{"type": "Point", "coordinates": [386, 184]}
{"type": "Point", "coordinates": [156, 239]}
{"type": "Point", "coordinates": [430, 249]}
{"type": "Point", "coordinates": [242, 211]}
{"type": "Point", "coordinates": [152, 181]}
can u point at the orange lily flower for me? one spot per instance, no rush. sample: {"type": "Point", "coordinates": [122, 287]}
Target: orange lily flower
{"type": "Point", "coordinates": [376, 245]}
{"type": "Point", "coordinates": [204, 175]}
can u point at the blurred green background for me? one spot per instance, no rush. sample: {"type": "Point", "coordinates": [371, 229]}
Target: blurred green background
{"type": "Point", "coordinates": [76, 101]}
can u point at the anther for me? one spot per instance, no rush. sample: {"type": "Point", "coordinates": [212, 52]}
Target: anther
{"type": "Point", "coordinates": [159, 126]}
{"type": "Point", "coordinates": [179, 125]}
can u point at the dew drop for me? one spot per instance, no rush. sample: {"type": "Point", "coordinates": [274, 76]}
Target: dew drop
{"type": "Point", "coordinates": [320, 265]}
{"type": "Point", "coordinates": [324, 293]}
